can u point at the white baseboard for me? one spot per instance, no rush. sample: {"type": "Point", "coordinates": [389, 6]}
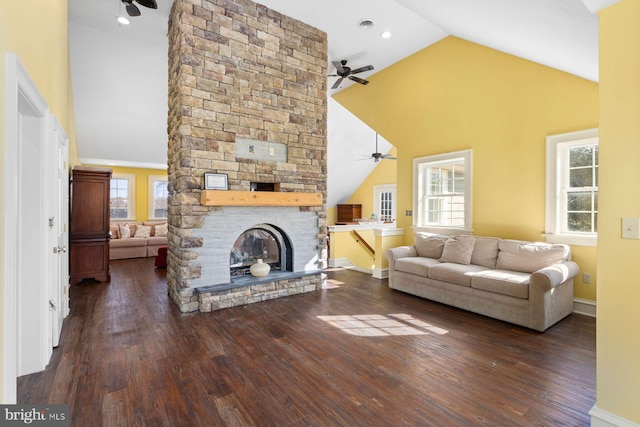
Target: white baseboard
{"type": "Point", "coordinates": [346, 263]}
{"type": "Point", "coordinates": [340, 262]}
{"type": "Point", "coordinates": [584, 306]}
{"type": "Point", "coordinates": [600, 418]}
{"type": "Point", "coordinates": [380, 273]}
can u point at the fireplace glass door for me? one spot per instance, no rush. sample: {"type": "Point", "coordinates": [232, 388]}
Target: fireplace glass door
{"type": "Point", "coordinates": [254, 244]}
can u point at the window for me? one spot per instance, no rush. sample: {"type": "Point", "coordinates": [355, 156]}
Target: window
{"type": "Point", "coordinates": [572, 188]}
{"type": "Point", "coordinates": [384, 201]}
{"type": "Point", "coordinates": [121, 197]}
{"type": "Point", "coordinates": [158, 194]}
{"type": "Point", "coordinates": [442, 192]}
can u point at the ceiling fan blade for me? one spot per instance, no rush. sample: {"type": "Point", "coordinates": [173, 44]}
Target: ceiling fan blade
{"type": "Point", "coordinates": [151, 4]}
{"type": "Point", "coordinates": [359, 80]}
{"type": "Point", "coordinates": [338, 65]}
{"type": "Point", "coordinates": [362, 69]}
{"type": "Point", "coordinates": [337, 83]}
{"type": "Point", "coordinates": [388, 157]}
{"type": "Point", "coordinates": [132, 10]}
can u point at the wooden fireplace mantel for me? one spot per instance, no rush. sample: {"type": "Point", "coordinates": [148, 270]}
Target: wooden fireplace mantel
{"type": "Point", "coordinates": [258, 198]}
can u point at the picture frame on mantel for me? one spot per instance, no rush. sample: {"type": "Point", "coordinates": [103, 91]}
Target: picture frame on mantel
{"type": "Point", "coordinates": [215, 181]}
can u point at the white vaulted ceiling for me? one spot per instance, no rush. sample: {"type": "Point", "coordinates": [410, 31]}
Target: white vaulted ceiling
{"type": "Point", "coordinates": [119, 74]}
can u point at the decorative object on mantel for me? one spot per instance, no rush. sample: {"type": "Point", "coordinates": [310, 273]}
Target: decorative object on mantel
{"type": "Point", "coordinates": [259, 269]}
{"type": "Point", "coordinates": [215, 181]}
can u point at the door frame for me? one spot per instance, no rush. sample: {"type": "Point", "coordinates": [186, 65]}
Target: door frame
{"type": "Point", "coordinates": [19, 88]}
{"type": "Point", "coordinates": [56, 192]}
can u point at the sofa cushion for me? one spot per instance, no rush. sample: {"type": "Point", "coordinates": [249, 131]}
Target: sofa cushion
{"type": "Point", "coordinates": [429, 246]}
{"type": "Point", "coordinates": [157, 241]}
{"type": "Point", "coordinates": [529, 256]}
{"type": "Point", "coordinates": [485, 252]}
{"type": "Point", "coordinates": [512, 283]}
{"type": "Point", "coordinates": [415, 265]}
{"type": "Point", "coordinates": [458, 274]}
{"type": "Point", "coordinates": [458, 250]}
{"type": "Point", "coordinates": [131, 241]}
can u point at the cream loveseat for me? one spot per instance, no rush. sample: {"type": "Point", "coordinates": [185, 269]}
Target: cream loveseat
{"type": "Point", "coordinates": [525, 283]}
{"type": "Point", "coordinates": [144, 239]}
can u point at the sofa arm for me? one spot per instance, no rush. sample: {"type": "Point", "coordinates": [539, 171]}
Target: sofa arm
{"type": "Point", "coordinates": [554, 275]}
{"type": "Point", "coordinates": [400, 252]}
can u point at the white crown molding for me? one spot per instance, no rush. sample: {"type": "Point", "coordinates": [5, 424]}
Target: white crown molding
{"type": "Point", "coordinates": [595, 6]}
{"type": "Point", "coordinates": [122, 163]}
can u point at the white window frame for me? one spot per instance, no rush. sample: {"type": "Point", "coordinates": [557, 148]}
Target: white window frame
{"type": "Point", "coordinates": [557, 175]}
{"type": "Point", "coordinates": [385, 188]}
{"type": "Point", "coordinates": [421, 163]}
{"type": "Point", "coordinates": [151, 191]}
{"type": "Point", "coordinates": [131, 196]}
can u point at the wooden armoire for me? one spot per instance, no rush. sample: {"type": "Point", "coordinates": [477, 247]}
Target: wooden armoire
{"type": "Point", "coordinates": [89, 225]}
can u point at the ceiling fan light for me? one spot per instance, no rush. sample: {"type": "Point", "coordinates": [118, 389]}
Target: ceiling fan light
{"type": "Point", "coordinates": [385, 34]}
{"type": "Point", "coordinates": [122, 20]}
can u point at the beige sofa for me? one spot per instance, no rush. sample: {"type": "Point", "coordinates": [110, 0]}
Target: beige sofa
{"type": "Point", "coordinates": [121, 247]}
{"type": "Point", "coordinates": [525, 283]}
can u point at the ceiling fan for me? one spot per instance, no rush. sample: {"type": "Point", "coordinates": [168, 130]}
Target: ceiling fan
{"type": "Point", "coordinates": [345, 72]}
{"type": "Point", "coordinates": [377, 156]}
{"type": "Point", "coordinates": [132, 9]}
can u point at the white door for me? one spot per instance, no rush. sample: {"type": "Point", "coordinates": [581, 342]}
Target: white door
{"type": "Point", "coordinates": [58, 274]}
{"type": "Point", "coordinates": [384, 201]}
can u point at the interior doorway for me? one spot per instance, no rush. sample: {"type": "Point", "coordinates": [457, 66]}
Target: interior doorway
{"type": "Point", "coordinates": [34, 271]}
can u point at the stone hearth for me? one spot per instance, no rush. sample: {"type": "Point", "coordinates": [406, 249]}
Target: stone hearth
{"type": "Point", "coordinates": [240, 72]}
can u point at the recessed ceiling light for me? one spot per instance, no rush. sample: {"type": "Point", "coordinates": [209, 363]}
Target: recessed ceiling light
{"type": "Point", "coordinates": [365, 24]}
{"type": "Point", "coordinates": [122, 20]}
{"type": "Point", "coordinates": [385, 34]}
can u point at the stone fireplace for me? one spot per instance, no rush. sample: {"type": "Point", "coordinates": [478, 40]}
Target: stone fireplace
{"type": "Point", "coordinates": [247, 101]}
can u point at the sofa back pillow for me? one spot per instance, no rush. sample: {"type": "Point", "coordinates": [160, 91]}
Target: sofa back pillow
{"type": "Point", "coordinates": [458, 250]}
{"type": "Point", "coordinates": [124, 231]}
{"type": "Point", "coordinates": [429, 246]}
{"type": "Point", "coordinates": [485, 252]}
{"type": "Point", "coordinates": [143, 231]}
{"type": "Point", "coordinates": [153, 225]}
{"type": "Point", "coordinates": [529, 257]}
{"type": "Point", "coordinates": [161, 230]}
{"type": "Point", "coordinates": [114, 229]}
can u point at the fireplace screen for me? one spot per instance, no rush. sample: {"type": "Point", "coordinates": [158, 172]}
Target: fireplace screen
{"type": "Point", "coordinates": [254, 244]}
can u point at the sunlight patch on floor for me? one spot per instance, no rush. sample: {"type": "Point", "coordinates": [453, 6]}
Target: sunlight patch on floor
{"type": "Point", "coordinates": [332, 284]}
{"type": "Point", "coordinates": [378, 325]}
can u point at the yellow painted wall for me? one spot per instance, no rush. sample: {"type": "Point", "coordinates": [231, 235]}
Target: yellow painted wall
{"type": "Point", "coordinates": [463, 95]}
{"type": "Point", "coordinates": [332, 215]}
{"type": "Point", "coordinates": [381, 247]}
{"type": "Point", "coordinates": [142, 187]}
{"type": "Point", "coordinates": [618, 316]}
{"type": "Point", "coordinates": [343, 245]}
{"type": "Point", "coordinates": [36, 31]}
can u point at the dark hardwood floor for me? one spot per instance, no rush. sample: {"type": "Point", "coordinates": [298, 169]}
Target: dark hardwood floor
{"type": "Point", "coordinates": [358, 354]}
